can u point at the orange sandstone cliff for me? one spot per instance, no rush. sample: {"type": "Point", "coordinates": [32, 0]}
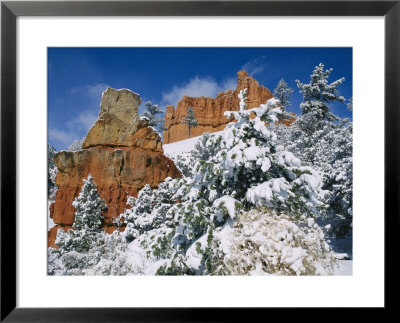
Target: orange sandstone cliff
{"type": "Point", "coordinates": [122, 154]}
{"type": "Point", "coordinates": [209, 112]}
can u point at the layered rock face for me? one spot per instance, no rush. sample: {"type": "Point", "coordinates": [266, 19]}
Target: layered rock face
{"type": "Point", "coordinates": [121, 153]}
{"type": "Point", "coordinates": [209, 112]}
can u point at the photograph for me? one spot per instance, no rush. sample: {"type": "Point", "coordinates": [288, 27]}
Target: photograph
{"type": "Point", "coordinates": [210, 161]}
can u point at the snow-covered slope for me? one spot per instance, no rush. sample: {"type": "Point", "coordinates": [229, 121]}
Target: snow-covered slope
{"type": "Point", "coordinates": [183, 146]}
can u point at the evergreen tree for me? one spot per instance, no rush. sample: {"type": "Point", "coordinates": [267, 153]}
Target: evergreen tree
{"type": "Point", "coordinates": [283, 93]}
{"type": "Point", "coordinates": [139, 216]}
{"type": "Point", "coordinates": [151, 113]}
{"type": "Point", "coordinates": [318, 93]}
{"type": "Point", "coordinates": [89, 208]}
{"type": "Point", "coordinates": [243, 98]}
{"type": "Point", "coordinates": [190, 120]}
{"type": "Point", "coordinates": [88, 217]}
{"type": "Point", "coordinates": [324, 141]}
{"type": "Point", "coordinates": [350, 104]}
{"type": "Point", "coordinates": [328, 149]}
{"type": "Point", "coordinates": [249, 169]}
{"type": "Point", "coordinates": [51, 172]}
{"type": "Point", "coordinates": [51, 151]}
{"type": "Point", "coordinates": [76, 145]}
{"type": "Point", "coordinates": [87, 249]}
{"type": "Point", "coordinates": [148, 211]}
{"type": "Point", "coordinates": [112, 253]}
{"type": "Point", "coordinates": [204, 148]}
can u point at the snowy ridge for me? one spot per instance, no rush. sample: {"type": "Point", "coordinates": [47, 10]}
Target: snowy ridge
{"type": "Point", "coordinates": [183, 146]}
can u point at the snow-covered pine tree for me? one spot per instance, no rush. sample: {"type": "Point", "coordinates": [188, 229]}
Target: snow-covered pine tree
{"type": "Point", "coordinates": [350, 104]}
{"type": "Point", "coordinates": [330, 151]}
{"type": "Point", "coordinates": [139, 217]}
{"type": "Point", "coordinates": [190, 119]}
{"type": "Point", "coordinates": [185, 162]}
{"type": "Point", "coordinates": [148, 211]}
{"type": "Point", "coordinates": [283, 93]}
{"type": "Point", "coordinates": [318, 93]}
{"type": "Point", "coordinates": [76, 145]}
{"type": "Point", "coordinates": [113, 255]}
{"type": "Point", "coordinates": [87, 249]}
{"type": "Point", "coordinates": [204, 148]}
{"type": "Point", "coordinates": [153, 113]}
{"type": "Point", "coordinates": [334, 158]}
{"type": "Point", "coordinates": [51, 172]}
{"type": "Point", "coordinates": [74, 254]}
{"type": "Point", "coordinates": [250, 169]}
{"type": "Point", "coordinates": [324, 141]}
{"type": "Point", "coordinates": [243, 98]}
{"type": "Point", "coordinates": [89, 220]}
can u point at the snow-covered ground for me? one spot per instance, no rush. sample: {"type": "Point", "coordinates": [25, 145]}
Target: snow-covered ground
{"type": "Point", "coordinates": [345, 268]}
{"type": "Point", "coordinates": [344, 254]}
{"type": "Point", "coordinates": [183, 146]}
{"type": "Point", "coordinates": [137, 259]}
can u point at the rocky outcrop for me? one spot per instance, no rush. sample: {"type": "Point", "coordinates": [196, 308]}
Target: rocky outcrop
{"type": "Point", "coordinates": [118, 121]}
{"type": "Point", "coordinates": [209, 112]}
{"type": "Point", "coordinates": [121, 153]}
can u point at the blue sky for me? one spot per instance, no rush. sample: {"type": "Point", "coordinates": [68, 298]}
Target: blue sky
{"type": "Point", "coordinates": [78, 76]}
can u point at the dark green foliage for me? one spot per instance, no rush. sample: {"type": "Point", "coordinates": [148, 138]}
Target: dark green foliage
{"type": "Point", "coordinates": [190, 119]}
{"type": "Point", "coordinates": [152, 114]}
{"type": "Point", "coordinates": [283, 93]}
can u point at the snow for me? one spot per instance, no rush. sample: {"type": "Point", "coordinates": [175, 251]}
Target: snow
{"type": "Point", "coordinates": [229, 203]}
{"type": "Point", "coordinates": [283, 246]}
{"type": "Point", "coordinates": [311, 181]}
{"type": "Point", "coordinates": [136, 256]}
{"type": "Point", "coordinates": [225, 236]}
{"type": "Point", "coordinates": [263, 194]}
{"type": "Point", "coordinates": [294, 258]}
{"type": "Point", "coordinates": [183, 146]}
{"type": "Point", "coordinates": [50, 222]}
{"type": "Point", "coordinates": [140, 264]}
{"type": "Point", "coordinates": [345, 268]}
{"type": "Point", "coordinates": [286, 157]}
{"type": "Point", "coordinates": [253, 152]}
{"type": "Point", "coordinates": [242, 96]}
{"type": "Point", "coordinates": [193, 257]}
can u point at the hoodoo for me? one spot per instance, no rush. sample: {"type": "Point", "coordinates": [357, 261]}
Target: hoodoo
{"type": "Point", "coordinates": [120, 151]}
{"type": "Point", "coordinates": [209, 112]}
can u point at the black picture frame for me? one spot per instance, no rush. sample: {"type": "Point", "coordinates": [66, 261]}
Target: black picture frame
{"type": "Point", "coordinates": [10, 10]}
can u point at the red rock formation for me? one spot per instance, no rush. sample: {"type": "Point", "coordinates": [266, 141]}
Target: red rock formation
{"type": "Point", "coordinates": [209, 112]}
{"type": "Point", "coordinates": [121, 153]}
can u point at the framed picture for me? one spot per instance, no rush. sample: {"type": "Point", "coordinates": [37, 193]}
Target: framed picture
{"type": "Point", "coordinates": [180, 53]}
